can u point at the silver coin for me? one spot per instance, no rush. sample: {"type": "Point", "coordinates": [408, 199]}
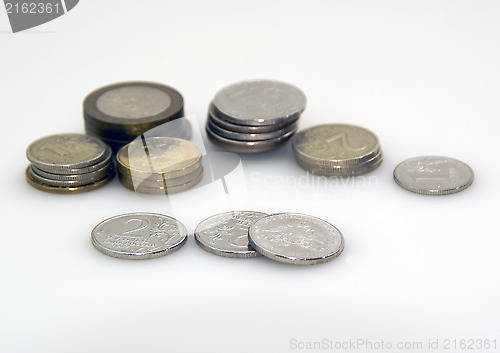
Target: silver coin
{"type": "Point", "coordinates": [296, 238]}
{"type": "Point", "coordinates": [433, 175]}
{"type": "Point", "coordinates": [226, 234]}
{"type": "Point", "coordinates": [248, 146]}
{"type": "Point", "coordinates": [66, 152]}
{"type": "Point", "coordinates": [89, 177]}
{"type": "Point", "coordinates": [249, 136]}
{"type": "Point", "coordinates": [259, 102]}
{"type": "Point", "coordinates": [214, 117]}
{"type": "Point", "coordinates": [139, 236]}
{"type": "Point", "coordinates": [68, 183]}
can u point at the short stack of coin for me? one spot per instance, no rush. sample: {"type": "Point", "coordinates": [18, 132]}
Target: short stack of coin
{"type": "Point", "coordinates": [159, 165]}
{"type": "Point", "coordinates": [119, 113]}
{"type": "Point", "coordinates": [69, 163]}
{"type": "Point", "coordinates": [337, 150]}
{"type": "Point", "coordinates": [254, 116]}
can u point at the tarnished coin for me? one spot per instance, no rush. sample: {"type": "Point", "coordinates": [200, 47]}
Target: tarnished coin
{"type": "Point", "coordinates": [139, 236]}
{"type": "Point", "coordinates": [296, 238]}
{"type": "Point", "coordinates": [85, 177]}
{"type": "Point", "coordinates": [130, 104]}
{"type": "Point", "coordinates": [248, 146]}
{"type": "Point", "coordinates": [172, 157]}
{"type": "Point", "coordinates": [337, 150]}
{"type": "Point", "coordinates": [67, 189]}
{"type": "Point", "coordinates": [66, 152]}
{"type": "Point", "coordinates": [70, 183]}
{"type": "Point", "coordinates": [433, 175]}
{"type": "Point", "coordinates": [226, 234]}
{"type": "Point", "coordinates": [214, 118]}
{"type": "Point", "coordinates": [252, 137]}
{"type": "Point", "coordinates": [259, 102]}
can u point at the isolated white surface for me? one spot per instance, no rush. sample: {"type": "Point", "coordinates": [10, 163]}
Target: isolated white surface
{"type": "Point", "coordinates": [423, 75]}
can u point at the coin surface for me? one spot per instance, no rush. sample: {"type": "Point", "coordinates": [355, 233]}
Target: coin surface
{"type": "Point", "coordinates": [248, 146]}
{"type": "Point", "coordinates": [170, 156]}
{"type": "Point", "coordinates": [259, 102]}
{"type": "Point", "coordinates": [226, 234]}
{"type": "Point", "coordinates": [296, 239]}
{"type": "Point", "coordinates": [139, 236]}
{"type": "Point", "coordinates": [433, 175]}
{"type": "Point", "coordinates": [64, 152]}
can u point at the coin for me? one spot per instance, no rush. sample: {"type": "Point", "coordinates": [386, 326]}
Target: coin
{"type": "Point", "coordinates": [296, 239]}
{"type": "Point", "coordinates": [65, 152]}
{"type": "Point", "coordinates": [337, 149]}
{"type": "Point", "coordinates": [259, 102]}
{"type": "Point", "coordinates": [132, 103]}
{"type": "Point", "coordinates": [252, 137]}
{"type": "Point", "coordinates": [161, 189]}
{"type": "Point", "coordinates": [89, 177]}
{"type": "Point", "coordinates": [139, 236]}
{"type": "Point", "coordinates": [69, 183]}
{"type": "Point", "coordinates": [248, 146]}
{"type": "Point", "coordinates": [226, 234]}
{"type": "Point", "coordinates": [170, 156]}
{"type": "Point", "coordinates": [433, 175]}
{"type": "Point", "coordinates": [214, 118]}
{"type": "Point", "coordinates": [66, 189]}
{"type": "Point", "coordinates": [160, 181]}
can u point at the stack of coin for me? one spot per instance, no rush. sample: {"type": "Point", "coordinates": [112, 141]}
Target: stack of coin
{"type": "Point", "coordinates": [254, 116]}
{"type": "Point", "coordinates": [69, 163]}
{"type": "Point", "coordinates": [159, 165]}
{"type": "Point", "coordinates": [119, 113]}
{"type": "Point", "coordinates": [337, 150]}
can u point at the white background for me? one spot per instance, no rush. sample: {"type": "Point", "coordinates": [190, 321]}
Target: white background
{"type": "Point", "coordinates": [423, 75]}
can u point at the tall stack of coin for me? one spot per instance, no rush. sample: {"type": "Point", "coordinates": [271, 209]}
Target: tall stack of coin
{"type": "Point", "coordinates": [337, 150]}
{"type": "Point", "coordinates": [159, 165]}
{"type": "Point", "coordinates": [119, 113]}
{"type": "Point", "coordinates": [254, 116]}
{"type": "Point", "coordinates": [69, 163]}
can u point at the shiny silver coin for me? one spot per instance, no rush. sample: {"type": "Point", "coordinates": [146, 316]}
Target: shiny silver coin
{"type": "Point", "coordinates": [160, 181]}
{"type": "Point", "coordinates": [340, 170]}
{"type": "Point", "coordinates": [296, 239]}
{"type": "Point", "coordinates": [73, 182]}
{"type": "Point", "coordinates": [433, 175]}
{"type": "Point", "coordinates": [161, 189]}
{"type": "Point", "coordinates": [248, 146]}
{"type": "Point", "coordinates": [249, 136]}
{"type": "Point", "coordinates": [89, 177]}
{"type": "Point", "coordinates": [259, 102]}
{"type": "Point", "coordinates": [226, 234]}
{"type": "Point", "coordinates": [66, 152]}
{"type": "Point", "coordinates": [132, 107]}
{"type": "Point", "coordinates": [214, 118]}
{"type": "Point", "coordinates": [139, 236]}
